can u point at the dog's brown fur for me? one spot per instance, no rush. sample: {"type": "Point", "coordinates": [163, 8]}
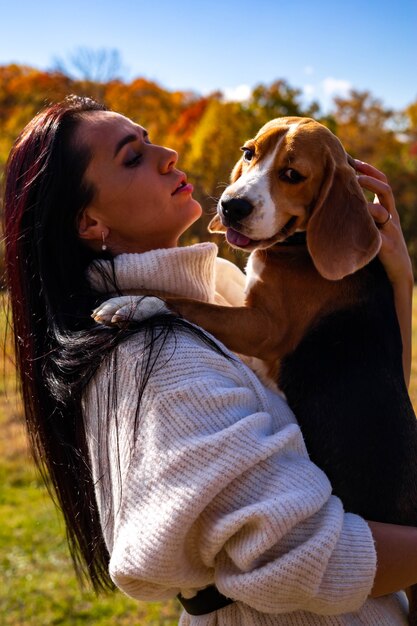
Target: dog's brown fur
{"type": "Point", "coordinates": [341, 238]}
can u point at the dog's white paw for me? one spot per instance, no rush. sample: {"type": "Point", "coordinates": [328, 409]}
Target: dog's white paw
{"type": "Point", "coordinates": [123, 309]}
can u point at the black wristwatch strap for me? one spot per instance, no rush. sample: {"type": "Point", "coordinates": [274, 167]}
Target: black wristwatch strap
{"type": "Point", "coordinates": [205, 601]}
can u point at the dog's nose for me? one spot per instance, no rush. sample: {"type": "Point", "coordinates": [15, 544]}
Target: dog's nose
{"type": "Point", "coordinates": [235, 210]}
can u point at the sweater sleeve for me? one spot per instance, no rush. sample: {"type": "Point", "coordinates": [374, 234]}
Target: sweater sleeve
{"type": "Point", "coordinates": [219, 489]}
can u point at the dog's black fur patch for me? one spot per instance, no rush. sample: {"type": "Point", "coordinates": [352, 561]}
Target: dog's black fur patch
{"type": "Point", "coordinates": [346, 386]}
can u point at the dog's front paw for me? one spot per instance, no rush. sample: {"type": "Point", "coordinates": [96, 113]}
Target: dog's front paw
{"type": "Point", "coordinates": [124, 309]}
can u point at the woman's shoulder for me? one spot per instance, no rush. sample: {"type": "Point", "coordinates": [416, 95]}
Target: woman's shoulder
{"type": "Point", "coordinates": [181, 346]}
{"type": "Point", "coordinates": [174, 355]}
{"type": "Point", "coordinates": [187, 358]}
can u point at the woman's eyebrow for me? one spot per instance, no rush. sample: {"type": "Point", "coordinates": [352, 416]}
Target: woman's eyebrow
{"type": "Point", "coordinates": [123, 141]}
{"type": "Point", "coordinates": [128, 139]}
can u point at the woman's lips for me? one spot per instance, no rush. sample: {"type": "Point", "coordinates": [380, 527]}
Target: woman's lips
{"type": "Point", "coordinates": [188, 188]}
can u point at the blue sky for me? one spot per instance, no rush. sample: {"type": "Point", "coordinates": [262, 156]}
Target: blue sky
{"type": "Point", "coordinates": [322, 47]}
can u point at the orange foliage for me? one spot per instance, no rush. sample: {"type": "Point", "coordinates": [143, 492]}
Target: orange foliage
{"type": "Point", "coordinates": [147, 103]}
{"type": "Point", "coordinates": [207, 131]}
{"type": "Point", "coordinates": [182, 129]}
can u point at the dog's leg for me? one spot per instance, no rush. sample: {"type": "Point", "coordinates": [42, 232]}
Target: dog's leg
{"type": "Point", "coordinates": [244, 330]}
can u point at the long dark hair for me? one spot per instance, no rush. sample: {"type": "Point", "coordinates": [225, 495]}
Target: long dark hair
{"type": "Point", "coordinates": [46, 265]}
{"type": "Point", "coordinates": [58, 347]}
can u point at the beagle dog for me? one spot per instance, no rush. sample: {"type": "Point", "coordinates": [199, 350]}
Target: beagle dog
{"type": "Point", "coordinates": [319, 312]}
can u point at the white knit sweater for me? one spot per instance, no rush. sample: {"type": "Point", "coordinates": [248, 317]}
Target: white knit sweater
{"type": "Point", "coordinates": [217, 486]}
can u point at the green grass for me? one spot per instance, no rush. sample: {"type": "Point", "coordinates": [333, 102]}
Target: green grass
{"type": "Point", "coordinates": [37, 583]}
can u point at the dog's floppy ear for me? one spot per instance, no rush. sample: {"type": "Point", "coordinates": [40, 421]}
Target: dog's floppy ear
{"type": "Point", "coordinates": [341, 234]}
{"type": "Point", "coordinates": [216, 226]}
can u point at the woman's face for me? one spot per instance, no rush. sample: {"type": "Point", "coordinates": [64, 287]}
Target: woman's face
{"type": "Point", "coordinates": [142, 201]}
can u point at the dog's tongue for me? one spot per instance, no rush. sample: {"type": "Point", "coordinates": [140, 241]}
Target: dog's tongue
{"type": "Point", "coordinates": [237, 239]}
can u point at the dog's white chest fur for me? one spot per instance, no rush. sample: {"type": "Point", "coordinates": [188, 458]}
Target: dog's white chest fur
{"type": "Point", "coordinates": [254, 269]}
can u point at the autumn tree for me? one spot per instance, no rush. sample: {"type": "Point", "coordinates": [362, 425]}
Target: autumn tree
{"type": "Point", "coordinates": [181, 131]}
{"type": "Point", "coordinates": [278, 99]}
{"type": "Point", "coordinates": [401, 169]}
{"type": "Point", "coordinates": [411, 126]}
{"type": "Point", "coordinates": [365, 126]}
{"type": "Point", "coordinates": [208, 131]}
{"type": "Point", "coordinates": [23, 92]}
{"type": "Point", "coordinates": [212, 152]}
{"type": "Point", "coordinates": [387, 139]}
{"type": "Point", "coordinates": [147, 103]}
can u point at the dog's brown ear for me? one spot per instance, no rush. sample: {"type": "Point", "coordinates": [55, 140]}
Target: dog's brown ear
{"type": "Point", "coordinates": [341, 234]}
{"type": "Point", "coordinates": [216, 226]}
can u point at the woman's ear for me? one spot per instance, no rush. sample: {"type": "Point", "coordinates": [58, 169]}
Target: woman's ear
{"type": "Point", "coordinates": [91, 228]}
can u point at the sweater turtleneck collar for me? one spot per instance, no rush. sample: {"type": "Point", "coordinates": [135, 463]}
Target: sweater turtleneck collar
{"type": "Point", "coordinates": [187, 271]}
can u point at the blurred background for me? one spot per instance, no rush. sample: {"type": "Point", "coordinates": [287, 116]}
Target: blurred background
{"type": "Point", "coordinates": [202, 77]}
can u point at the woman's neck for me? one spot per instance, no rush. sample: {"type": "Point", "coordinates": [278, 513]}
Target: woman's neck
{"type": "Point", "coordinates": [188, 271]}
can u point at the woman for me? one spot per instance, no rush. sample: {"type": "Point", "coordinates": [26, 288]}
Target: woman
{"type": "Point", "coordinates": [175, 468]}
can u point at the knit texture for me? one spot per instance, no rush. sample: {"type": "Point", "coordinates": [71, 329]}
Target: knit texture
{"type": "Point", "coordinates": [217, 486]}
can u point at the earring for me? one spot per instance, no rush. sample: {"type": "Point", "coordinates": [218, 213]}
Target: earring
{"type": "Point", "coordinates": [103, 245]}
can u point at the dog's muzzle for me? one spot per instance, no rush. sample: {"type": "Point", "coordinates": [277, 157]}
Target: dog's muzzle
{"type": "Point", "coordinates": [234, 210]}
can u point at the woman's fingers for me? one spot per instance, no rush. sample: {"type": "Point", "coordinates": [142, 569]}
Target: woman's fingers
{"type": "Point", "coordinates": [382, 189]}
{"type": "Point", "coordinates": [372, 179]}
{"type": "Point", "coordinates": [393, 253]}
{"type": "Point", "coordinates": [381, 215]}
{"type": "Point", "coordinates": [369, 170]}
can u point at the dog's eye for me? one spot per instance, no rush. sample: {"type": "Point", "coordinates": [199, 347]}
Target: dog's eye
{"type": "Point", "coordinates": [291, 176]}
{"type": "Point", "coordinates": [248, 154]}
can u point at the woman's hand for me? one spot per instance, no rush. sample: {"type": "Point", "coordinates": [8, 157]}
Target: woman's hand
{"type": "Point", "coordinates": [393, 254]}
